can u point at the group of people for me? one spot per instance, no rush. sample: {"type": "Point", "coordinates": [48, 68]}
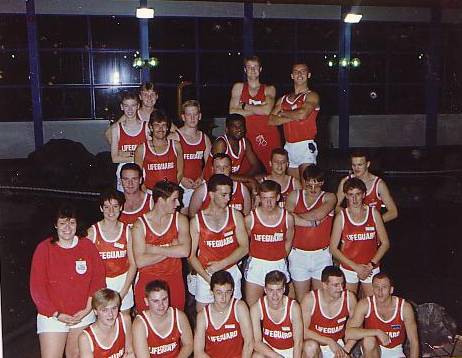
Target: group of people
{"type": "Point", "coordinates": [259, 233]}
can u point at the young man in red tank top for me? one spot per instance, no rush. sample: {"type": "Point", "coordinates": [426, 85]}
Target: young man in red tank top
{"type": "Point", "coordinates": [271, 230]}
{"type": "Point", "coordinates": [359, 239]}
{"type": "Point", "coordinates": [114, 243]}
{"type": "Point", "coordinates": [160, 239]}
{"type": "Point", "coordinates": [255, 101]}
{"type": "Point", "coordinates": [196, 147]}
{"type": "Point", "coordinates": [223, 328]}
{"type": "Point", "coordinates": [111, 334]}
{"type": "Point", "coordinates": [161, 330]}
{"type": "Point", "coordinates": [325, 314]}
{"type": "Point", "coordinates": [297, 113]}
{"type": "Point", "coordinates": [377, 194]}
{"type": "Point", "coordinates": [240, 196]}
{"type": "Point", "coordinates": [219, 240]}
{"type": "Point", "coordinates": [277, 321]}
{"type": "Point", "coordinates": [160, 158]}
{"type": "Point", "coordinates": [313, 211]}
{"type": "Point", "coordinates": [387, 321]}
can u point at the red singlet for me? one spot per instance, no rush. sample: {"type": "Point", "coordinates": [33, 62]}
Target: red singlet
{"type": "Point", "coordinates": [113, 252]}
{"type": "Point", "coordinates": [359, 240]}
{"type": "Point", "coordinates": [267, 242]}
{"type": "Point", "coordinates": [297, 131]}
{"type": "Point", "coordinates": [129, 217]}
{"type": "Point", "coordinates": [225, 341]}
{"type": "Point", "coordinates": [312, 238]}
{"type": "Point", "coordinates": [237, 197]}
{"type": "Point", "coordinates": [236, 159]}
{"type": "Point", "coordinates": [159, 166]}
{"type": "Point", "coordinates": [394, 327]}
{"type": "Point", "coordinates": [127, 142]}
{"type": "Point", "coordinates": [372, 197]}
{"type": "Point", "coordinates": [278, 335]}
{"type": "Point", "coordinates": [117, 347]}
{"type": "Point", "coordinates": [285, 191]}
{"type": "Point", "coordinates": [193, 154]}
{"type": "Point", "coordinates": [332, 327]}
{"type": "Point", "coordinates": [165, 346]}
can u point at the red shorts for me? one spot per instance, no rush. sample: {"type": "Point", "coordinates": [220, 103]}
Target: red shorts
{"type": "Point", "coordinates": [175, 285]}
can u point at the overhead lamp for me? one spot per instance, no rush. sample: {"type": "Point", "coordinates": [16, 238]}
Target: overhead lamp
{"type": "Point", "coordinates": [144, 13]}
{"type": "Point", "coordinates": [151, 62]}
{"type": "Point", "coordinates": [351, 18]}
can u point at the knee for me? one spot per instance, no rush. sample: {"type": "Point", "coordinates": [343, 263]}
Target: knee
{"type": "Point", "coordinates": [311, 349]}
{"type": "Point", "coordinates": [369, 344]}
{"type": "Point", "coordinates": [257, 355]}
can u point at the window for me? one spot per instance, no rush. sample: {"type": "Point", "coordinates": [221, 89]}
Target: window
{"type": "Point", "coordinates": [62, 31]}
{"type": "Point", "coordinates": [14, 68]}
{"type": "Point", "coordinates": [13, 31]}
{"type": "Point", "coordinates": [107, 102]}
{"type": "Point", "coordinates": [58, 67]}
{"type": "Point", "coordinates": [214, 101]}
{"type": "Point", "coordinates": [19, 106]}
{"type": "Point", "coordinates": [115, 32]}
{"type": "Point", "coordinates": [115, 68]}
{"type": "Point", "coordinates": [317, 35]}
{"type": "Point", "coordinates": [174, 67]}
{"type": "Point", "coordinates": [367, 99]}
{"type": "Point", "coordinates": [172, 34]}
{"type": "Point", "coordinates": [221, 67]}
{"type": "Point", "coordinates": [274, 35]}
{"type": "Point", "coordinates": [220, 34]}
{"type": "Point", "coordinates": [66, 103]}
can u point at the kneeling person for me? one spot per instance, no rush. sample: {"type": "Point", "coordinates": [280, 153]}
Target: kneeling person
{"type": "Point", "coordinates": [277, 321]}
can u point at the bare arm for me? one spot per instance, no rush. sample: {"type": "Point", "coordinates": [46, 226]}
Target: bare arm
{"type": "Point", "coordinates": [140, 343]}
{"type": "Point", "coordinates": [252, 159]}
{"type": "Point", "coordinates": [140, 248]}
{"type": "Point", "coordinates": [208, 148]}
{"type": "Point", "coordinates": [265, 108]}
{"type": "Point", "coordinates": [196, 200]}
{"type": "Point", "coordinates": [259, 345]}
{"type": "Point", "coordinates": [246, 329]}
{"type": "Point", "coordinates": [193, 259]}
{"type": "Point", "coordinates": [382, 236]}
{"type": "Point", "coordinates": [91, 234]}
{"type": "Point", "coordinates": [247, 200]}
{"type": "Point", "coordinates": [117, 155]}
{"type": "Point", "coordinates": [335, 237]}
{"type": "Point", "coordinates": [139, 154]}
{"type": "Point", "coordinates": [340, 195]}
{"type": "Point", "coordinates": [392, 209]}
{"type": "Point", "coordinates": [179, 161]}
{"type": "Point", "coordinates": [235, 105]}
{"type": "Point", "coordinates": [311, 103]}
{"type": "Point", "coordinates": [328, 204]}
{"type": "Point", "coordinates": [182, 247]}
{"type": "Point", "coordinates": [297, 326]}
{"type": "Point", "coordinates": [129, 352]}
{"type": "Point", "coordinates": [84, 346]}
{"type": "Point", "coordinates": [131, 273]}
{"type": "Point", "coordinates": [276, 118]}
{"type": "Point", "coordinates": [290, 233]}
{"type": "Point", "coordinates": [411, 330]}
{"type": "Point", "coordinates": [352, 301]}
{"type": "Point", "coordinates": [199, 336]}
{"type": "Point", "coordinates": [187, 343]}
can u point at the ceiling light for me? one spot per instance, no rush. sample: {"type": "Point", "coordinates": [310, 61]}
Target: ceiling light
{"type": "Point", "coordinates": [351, 18]}
{"type": "Point", "coordinates": [144, 13]}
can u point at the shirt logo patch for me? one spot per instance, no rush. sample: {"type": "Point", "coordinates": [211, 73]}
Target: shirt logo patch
{"type": "Point", "coordinates": [395, 326]}
{"type": "Point", "coordinates": [370, 228]}
{"type": "Point", "coordinates": [229, 233]}
{"type": "Point", "coordinates": [119, 245]}
{"type": "Point", "coordinates": [81, 267]}
{"type": "Point", "coordinates": [261, 140]}
{"type": "Point", "coordinates": [343, 319]}
{"type": "Point", "coordinates": [286, 329]}
{"type": "Point", "coordinates": [230, 326]}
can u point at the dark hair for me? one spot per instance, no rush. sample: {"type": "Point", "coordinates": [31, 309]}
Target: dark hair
{"type": "Point", "coordinates": [126, 95]}
{"type": "Point", "coordinates": [149, 86]}
{"type": "Point", "coordinates": [269, 186]}
{"type": "Point", "coordinates": [382, 275]}
{"type": "Point", "coordinates": [234, 117]}
{"type": "Point", "coordinates": [279, 151]}
{"type": "Point", "coordinates": [359, 153]}
{"type": "Point", "coordinates": [111, 194]}
{"type": "Point", "coordinates": [67, 211]}
{"type": "Point", "coordinates": [221, 156]}
{"type": "Point", "coordinates": [314, 172]}
{"type": "Point", "coordinates": [275, 277]}
{"type": "Point", "coordinates": [155, 286]}
{"type": "Point", "coordinates": [164, 189]}
{"type": "Point", "coordinates": [218, 179]}
{"type": "Point", "coordinates": [103, 297]}
{"type": "Point", "coordinates": [354, 183]}
{"type": "Point", "coordinates": [331, 271]}
{"type": "Point", "coordinates": [253, 58]}
{"type": "Point", "coordinates": [221, 278]}
{"type": "Point", "coordinates": [301, 63]}
{"type": "Point", "coordinates": [159, 116]}
{"type": "Point", "coordinates": [132, 166]}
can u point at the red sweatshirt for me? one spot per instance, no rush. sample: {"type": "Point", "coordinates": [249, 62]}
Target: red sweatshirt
{"type": "Point", "coordinates": [62, 280]}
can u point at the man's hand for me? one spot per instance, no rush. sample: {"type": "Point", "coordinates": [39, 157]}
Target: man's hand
{"type": "Point", "coordinates": [337, 350]}
{"type": "Point", "coordinates": [188, 183]}
{"type": "Point", "coordinates": [214, 266]}
{"type": "Point", "coordinates": [363, 271]}
{"type": "Point", "coordinates": [68, 319]}
{"type": "Point", "coordinates": [383, 338]}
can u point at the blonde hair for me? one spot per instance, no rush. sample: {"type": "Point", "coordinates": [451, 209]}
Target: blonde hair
{"type": "Point", "coordinates": [103, 297]}
{"type": "Point", "coordinates": [191, 103]}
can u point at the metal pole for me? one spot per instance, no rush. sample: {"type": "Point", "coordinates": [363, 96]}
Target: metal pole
{"type": "Point", "coordinates": [343, 83]}
{"type": "Point", "coordinates": [144, 44]}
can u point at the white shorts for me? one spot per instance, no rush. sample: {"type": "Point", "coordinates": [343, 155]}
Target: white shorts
{"type": "Point", "coordinates": [52, 325]}
{"type": "Point", "coordinates": [304, 152]}
{"type": "Point", "coordinates": [187, 194]}
{"type": "Point", "coordinates": [395, 352]}
{"type": "Point", "coordinates": [116, 284]}
{"type": "Point", "coordinates": [257, 269]}
{"type": "Point", "coordinates": [326, 352]}
{"type": "Point", "coordinates": [204, 294]}
{"type": "Point", "coordinates": [286, 353]}
{"type": "Point", "coordinates": [305, 265]}
{"type": "Point", "coordinates": [352, 276]}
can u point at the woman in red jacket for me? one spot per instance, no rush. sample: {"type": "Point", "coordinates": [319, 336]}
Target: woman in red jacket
{"type": "Point", "coordinates": [66, 271]}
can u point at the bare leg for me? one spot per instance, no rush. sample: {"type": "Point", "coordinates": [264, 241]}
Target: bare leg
{"type": "Point", "coordinates": [370, 347]}
{"type": "Point", "coordinates": [301, 168]}
{"type": "Point", "coordinates": [311, 349]}
{"type": "Point", "coordinates": [72, 346]}
{"type": "Point", "coordinates": [293, 172]}
{"type": "Point", "coordinates": [200, 306]}
{"type": "Point", "coordinates": [366, 289]}
{"type": "Point", "coordinates": [252, 293]}
{"type": "Point", "coordinates": [353, 287]}
{"type": "Point", "coordinates": [52, 344]}
{"type": "Point", "coordinates": [301, 289]}
{"type": "Point", "coordinates": [315, 284]}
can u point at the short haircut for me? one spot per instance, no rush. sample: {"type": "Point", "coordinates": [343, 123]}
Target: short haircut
{"type": "Point", "coordinates": [301, 63]}
{"type": "Point", "coordinates": [314, 172]}
{"type": "Point", "coordinates": [163, 189]}
{"type": "Point", "coordinates": [219, 179]}
{"type": "Point", "coordinates": [221, 278]}
{"type": "Point", "coordinates": [190, 103]}
{"type": "Point", "coordinates": [67, 211]}
{"type": "Point", "coordinates": [269, 186]}
{"type": "Point", "coordinates": [279, 151]}
{"type": "Point", "coordinates": [126, 95]}
{"type": "Point", "coordinates": [354, 183]}
{"type": "Point", "coordinates": [156, 286]}
{"type": "Point", "coordinates": [234, 117]}
{"type": "Point", "coordinates": [159, 116]}
{"type": "Point", "coordinates": [149, 86]}
{"type": "Point", "coordinates": [221, 156]}
{"type": "Point", "coordinates": [132, 166]}
{"type": "Point", "coordinates": [331, 271]}
{"type": "Point", "coordinates": [103, 297]}
{"type": "Point", "coordinates": [359, 153]}
{"type": "Point", "coordinates": [275, 277]}
{"type": "Point", "coordinates": [111, 194]}
{"type": "Point", "coordinates": [253, 58]}
{"type": "Point", "coordinates": [382, 275]}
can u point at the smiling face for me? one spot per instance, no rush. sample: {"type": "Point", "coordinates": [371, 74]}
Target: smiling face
{"type": "Point", "coordinates": [129, 107]}
{"type": "Point", "coordinates": [148, 98]}
{"type": "Point", "coordinates": [360, 166]}
{"type": "Point", "coordinates": [313, 186]}
{"type": "Point", "coordinates": [131, 181]}
{"type": "Point", "coordinates": [159, 130]}
{"type": "Point", "coordinates": [158, 302]}
{"type": "Point", "coordinates": [107, 314]}
{"type": "Point", "coordinates": [279, 164]}
{"type": "Point", "coordinates": [236, 129]}
{"type": "Point", "coordinates": [66, 228]}
{"type": "Point", "coordinates": [274, 293]}
{"type": "Point", "coordinates": [111, 210]}
{"type": "Point", "coordinates": [252, 69]}
{"type": "Point", "coordinates": [300, 74]}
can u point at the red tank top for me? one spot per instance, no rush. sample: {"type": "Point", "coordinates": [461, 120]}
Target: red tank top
{"type": "Point", "coordinates": [285, 191]}
{"type": "Point", "coordinates": [225, 341]}
{"type": "Point", "coordinates": [129, 217]}
{"type": "Point", "coordinates": [165, 346]}
{"type": "Point", "coordinates": [117, 347]}
{"type": "Point", "coordinates": [170, 265]}
{"type": "Point", "coordinates": [332, 327]}
{"type": "Point", "coordinates": [278, 335]}
{"type": "Point", "coordinates": [255, 122]}
{"type": "Point", "coordinates": [193, 154]}
{"type": "Point", "coordinates": [113, 252]}
{"type": "Point", "coordinates": [372, 197]}
{"type": "Point", "coordinates": [159, 166]}
{"type": "Point", "coordinates": [236, 158]}
{"type": "Point", "coordinates": [216, 245]}
{"type": "Point", "coordinates": [297, 131]}
{"type": "Point", "coordinates": [312, 238]}
{"type": "Point", "coordinates": [359, 240]}
{"type": "Point", "coordinates": [127, 142]}
{"type": "Point", "coordinates": [267, 242]}
{"type": "Point", "coordinates": [237, 197]}
{"type": "Point", "coordinates": [394, 327]}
